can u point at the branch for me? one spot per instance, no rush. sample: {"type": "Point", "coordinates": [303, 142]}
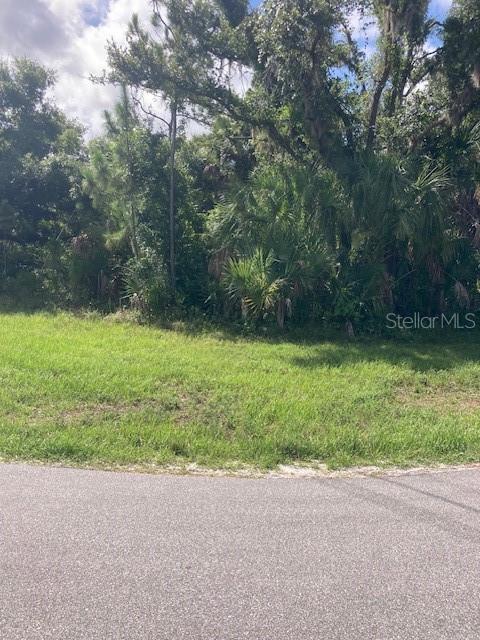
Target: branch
{"type": "Point", "coordinates": [377, 96]}
{"type": "Point", "coordinates": [356, 59]}
{"type": "Point", "coordinates": [147, 112]}
{"type": "Point", "coordinates": [157, 14]}
{"type": "Point", "coordinates": [429, 53]}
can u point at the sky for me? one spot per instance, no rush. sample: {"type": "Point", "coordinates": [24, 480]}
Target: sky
{"type": "Point", "coordinates": [70, 37]}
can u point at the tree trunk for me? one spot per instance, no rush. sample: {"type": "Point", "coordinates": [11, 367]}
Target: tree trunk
{"type": "Point", "coordinates": [173, 145]}
{"type": "Point", "coordinates": [372, 124]}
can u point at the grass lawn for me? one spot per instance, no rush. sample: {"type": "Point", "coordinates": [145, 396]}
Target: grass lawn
{"type": "Point", "coordinates": [90, 391]}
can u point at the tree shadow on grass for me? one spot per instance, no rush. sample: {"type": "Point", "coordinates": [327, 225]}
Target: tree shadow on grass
{"type": "Point", "coordinates": [420, 356]}
{"type": "Point", "coordinates": [419, 351]}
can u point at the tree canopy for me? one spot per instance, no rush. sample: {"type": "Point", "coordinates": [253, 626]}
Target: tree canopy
{"type": "Point", "coordinates": [332, 180]}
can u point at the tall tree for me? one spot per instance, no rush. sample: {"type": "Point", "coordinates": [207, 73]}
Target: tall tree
{"type": "Point", "coordinates": [323, 103]}
{"type": "Point", "coordinates": [42, 205]}
{"type": "Point", "coordinates": [40, 154]}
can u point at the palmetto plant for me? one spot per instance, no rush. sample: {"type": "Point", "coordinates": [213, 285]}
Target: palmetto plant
{"type": "Point", "coordinates": [281, 207]}
{"type": "Point", "coordinates": [275, 228]}
{"type": "Point", "coordinates": [381, 238]}
{"type": "Point", "coordinates": [263, 284]}
{"type": "Point", "coordinates": [251, 282]}
{"type": "Point", "coordinates": [400, 217]}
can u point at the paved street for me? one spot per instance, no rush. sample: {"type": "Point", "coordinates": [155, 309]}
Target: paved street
{"type": "Point", "coordinates": [87, 554]}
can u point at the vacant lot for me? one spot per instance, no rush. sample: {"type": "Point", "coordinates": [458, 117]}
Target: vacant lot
{"type": "Point", "coordinates": [95, 392]}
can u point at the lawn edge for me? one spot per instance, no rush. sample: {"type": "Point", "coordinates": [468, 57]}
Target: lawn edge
{"type": "Point", "coordinates": [283, 471]}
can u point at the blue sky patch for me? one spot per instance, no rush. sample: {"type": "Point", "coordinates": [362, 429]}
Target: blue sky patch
{"type": "Point", "coordinates": [438, 8]}
{"type": "Point", "coordinates": [95, 11]}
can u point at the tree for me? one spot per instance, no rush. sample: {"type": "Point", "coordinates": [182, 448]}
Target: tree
{"type": "Point", "coordinates": [330, 183]}
{"type": "Point", "coordinates": [114, 177]}
{"type": "Point", "coordinates": [41, 154]}
{"type": "Point", "coordinates": [317, 100]}
{"type": "Point", "coordinates": [129, 179]}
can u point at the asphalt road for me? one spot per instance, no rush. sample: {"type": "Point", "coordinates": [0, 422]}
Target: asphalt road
{"type": "Point", "coordinates": [87, 554]}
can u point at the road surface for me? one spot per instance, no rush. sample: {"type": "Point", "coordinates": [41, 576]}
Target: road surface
{"type": "Point", "coordinates": [98, 555]}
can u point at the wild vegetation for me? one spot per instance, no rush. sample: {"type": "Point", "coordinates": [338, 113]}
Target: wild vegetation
{"type": "Point", "coordinates": [329, 185]}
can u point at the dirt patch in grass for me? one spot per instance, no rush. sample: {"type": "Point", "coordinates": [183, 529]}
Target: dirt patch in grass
{"type": "Point", "coordinates": [440, 398]}
{"type": "Point", "coordinates": [89, 412]}
{"type": "Point", "coordinates": [114, 409]}
{"type": "Point", "coordinates": [181, 407]}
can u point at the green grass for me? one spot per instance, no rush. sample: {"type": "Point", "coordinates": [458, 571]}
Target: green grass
{"type": "Point", "coordinates": [89, 391]}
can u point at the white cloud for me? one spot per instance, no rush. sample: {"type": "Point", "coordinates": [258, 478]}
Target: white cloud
{"type": "Point", "coordinates": [57, 34]}
{"type": "Point", "coordinates": [365, 30]}
{"type": "Point", "coordinates": [71, 35]}
{"type": "Point", "coordinates": [30, 26]}
{"type": "Point", "coordinates": [87, 56]}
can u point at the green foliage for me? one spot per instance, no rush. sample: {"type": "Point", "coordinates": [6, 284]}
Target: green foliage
{"type": "Point", "coordinates": [115, 175]}
{"type": "Point", "coordinates": [41, 201]}
{"type": "Point", "coordinates": [251, 282]}
{"type": "Point", "coordinates": [87, 262]}
{"type": "Point", "coordinates": [275, 225]}
{"type": "Point", "coordinates": [40, 153]}
{"type": "Point", "coordinates": [330, 185]}
{"type": "Point", "coordinates": [146, 284]}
